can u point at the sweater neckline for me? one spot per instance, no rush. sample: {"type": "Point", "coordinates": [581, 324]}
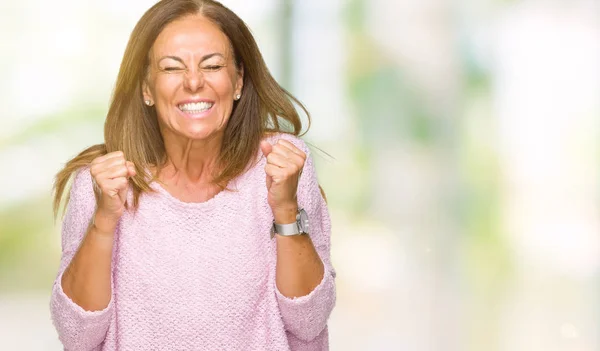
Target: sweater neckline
{"type": "Point", "coordinates": [232, 187]}
{"type": "Point", "coordinates": [191, 205]}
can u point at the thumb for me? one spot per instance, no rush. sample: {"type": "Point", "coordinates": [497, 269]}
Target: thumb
{"type": "Point", "coordinates": [130, 169]}
{"type": "Point", "coordinates": [123, 192]}
{"type": "Point", "coordinates": [266, 147]}
{"type": "Point", "coordinates": [269, 181]}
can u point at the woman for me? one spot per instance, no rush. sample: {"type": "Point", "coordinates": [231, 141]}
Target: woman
{"type": "Point", "coordinates": [199, 224]}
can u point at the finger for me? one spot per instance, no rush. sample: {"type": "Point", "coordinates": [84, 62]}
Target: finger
{"type": "Point", "coordinates": [111, 187]}
{"type": "Point", "coordinates": [131, 168]}
{"type": "Point", "coordinates": [269, 181]}
{"type": "Point", "coordinates": [278, 149]}
{"type": "Point", "coordinates": [275, 173]}
{"type": "Point", "coordinates": [113, 172]}
{"type": "Point", "coordinates": [293, 148]}
{"type": "Point", "coordinates": [114, 162]}
{"type": "Point", "coordinates": [278, 160]}
{"type": "Point", "coordinates": [99, 168]}
{"type": "Point", "coordinates": [266, 147]}
{"type": "Point", "coordinates": [108, 156]}
{"type": "Point", "coordinates": [289, 154]}
{"type": "Point", "coordinates": [292, 160]}
{"type": "Point", "coordinates": [123, 192]}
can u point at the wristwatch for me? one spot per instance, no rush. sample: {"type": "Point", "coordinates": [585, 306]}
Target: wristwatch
{"type": "Point", "coordinates": [297, 228]}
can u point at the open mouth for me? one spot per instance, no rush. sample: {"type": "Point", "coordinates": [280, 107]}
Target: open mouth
{"type": "Point", "coordinates": [195, 108]}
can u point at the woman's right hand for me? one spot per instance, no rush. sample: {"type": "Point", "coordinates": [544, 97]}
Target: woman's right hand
{"type": "Point", "coordinates": [111, 174]}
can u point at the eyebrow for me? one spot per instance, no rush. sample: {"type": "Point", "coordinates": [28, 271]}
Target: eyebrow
{"type": "Point", "coordinates": [204, 58]}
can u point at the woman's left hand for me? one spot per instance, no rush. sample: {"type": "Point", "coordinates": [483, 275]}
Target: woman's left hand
{"type": "Point", "coordinates": [284, 167]}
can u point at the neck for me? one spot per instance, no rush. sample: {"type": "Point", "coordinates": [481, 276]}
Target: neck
{"type": "Point", "coordinates": [190, 161]}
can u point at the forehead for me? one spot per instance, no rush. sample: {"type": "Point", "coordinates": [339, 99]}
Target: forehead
{"type": "Point", "coordinates": [193, 34]}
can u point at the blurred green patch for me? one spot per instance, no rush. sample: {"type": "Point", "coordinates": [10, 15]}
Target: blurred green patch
{"type": "Point", "coordinates": [29, 239]}
{"type": "Point", "coordinates": [29, 248]}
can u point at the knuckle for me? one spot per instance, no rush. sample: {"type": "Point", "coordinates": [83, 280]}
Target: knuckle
{"type": "Point", "coordinates": [95, 171]}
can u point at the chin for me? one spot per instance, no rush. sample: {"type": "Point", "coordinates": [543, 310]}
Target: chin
{"type": "Point", "coordinates": [196, 130]}
{"type": "Point", "coordinates": [200, 133]}
{"type": "Point", "coordinates": [195, 135]}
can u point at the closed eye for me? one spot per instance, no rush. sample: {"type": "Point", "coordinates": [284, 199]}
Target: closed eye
{"type": "Point", "coordinates": [213, 67]}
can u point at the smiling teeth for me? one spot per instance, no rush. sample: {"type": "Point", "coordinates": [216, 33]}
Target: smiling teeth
{"type": "Point", "coordinates": [195, 107]}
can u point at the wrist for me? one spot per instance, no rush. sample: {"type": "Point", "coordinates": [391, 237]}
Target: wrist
{"type": "Point", "coordinates": [285, 214]}
{"type": "Point", "coordinates": [105, 223]}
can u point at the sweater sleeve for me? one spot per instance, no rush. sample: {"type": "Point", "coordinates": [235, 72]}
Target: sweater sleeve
{"type": "Point", "coordinates": [306, 317]}
{"type": "Point", "coordinates": [77, 328]}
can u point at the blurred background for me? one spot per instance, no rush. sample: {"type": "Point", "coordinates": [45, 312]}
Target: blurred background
{"type": "Point", "coordinates": [464, 171]}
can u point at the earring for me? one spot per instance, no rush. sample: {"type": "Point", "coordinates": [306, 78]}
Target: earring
{"type": "Point", "coordinates": [238, 96]}
{"type": "Point", "coordinates": [148, 102]}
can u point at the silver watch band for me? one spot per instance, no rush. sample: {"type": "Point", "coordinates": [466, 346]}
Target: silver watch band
{"type": "Point", "coordinates": [299, 227]}
{"type": "Point", "coordinates": [287, 229]}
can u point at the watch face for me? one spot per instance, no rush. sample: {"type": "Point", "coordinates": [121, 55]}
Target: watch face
{"type": "Point", "coordinates": [303, 221]}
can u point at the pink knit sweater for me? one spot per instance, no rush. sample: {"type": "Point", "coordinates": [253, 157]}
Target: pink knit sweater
{"type": "Point", "coordinates": [198, 276]}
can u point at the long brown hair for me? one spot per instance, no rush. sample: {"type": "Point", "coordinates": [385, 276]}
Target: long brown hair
{"type": "Point", "coordinates": [132, 127]}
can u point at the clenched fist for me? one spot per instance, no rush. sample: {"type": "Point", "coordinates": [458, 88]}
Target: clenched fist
{"type": "Point", "coordinates": [284, 167]}
{"type": "Point", "coordinates": [110, 174]}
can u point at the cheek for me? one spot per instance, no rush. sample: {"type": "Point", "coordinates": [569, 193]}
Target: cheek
{"type": "Point", "coordinates": [165, 86]}
{"type": "Point", "coordinates": [223, 82]}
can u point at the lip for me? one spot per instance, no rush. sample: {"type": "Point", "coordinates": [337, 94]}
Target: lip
{"type": "Point", "coordinates": [194, 100]}
{"type": "Point", "coordinates": [195, 115]}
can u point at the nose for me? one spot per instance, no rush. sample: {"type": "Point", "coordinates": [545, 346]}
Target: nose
{"type": "Point", "coordinates": [193, 80]}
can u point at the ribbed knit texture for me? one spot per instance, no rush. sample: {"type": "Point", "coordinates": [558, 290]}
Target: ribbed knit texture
{"type": "Point", "coordinates": [198, 276]}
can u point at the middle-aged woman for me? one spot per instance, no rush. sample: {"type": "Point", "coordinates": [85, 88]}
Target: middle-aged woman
{"type": "Point", "coordinates": [199, 224]}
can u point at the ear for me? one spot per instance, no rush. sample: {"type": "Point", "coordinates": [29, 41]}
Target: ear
{"type": "Point", "coordinates": [239, 83]}
{"type": "Point", "coordinates": [146, 91]}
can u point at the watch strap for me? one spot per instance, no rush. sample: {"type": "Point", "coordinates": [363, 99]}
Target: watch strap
{"type": "Point", "coordinates": [299, 227]}
{"type": "Point", "coordinates": [287, 229]}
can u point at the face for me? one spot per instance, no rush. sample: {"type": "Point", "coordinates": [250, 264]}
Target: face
{"type": "Point", "coordinates": [192, 79]}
